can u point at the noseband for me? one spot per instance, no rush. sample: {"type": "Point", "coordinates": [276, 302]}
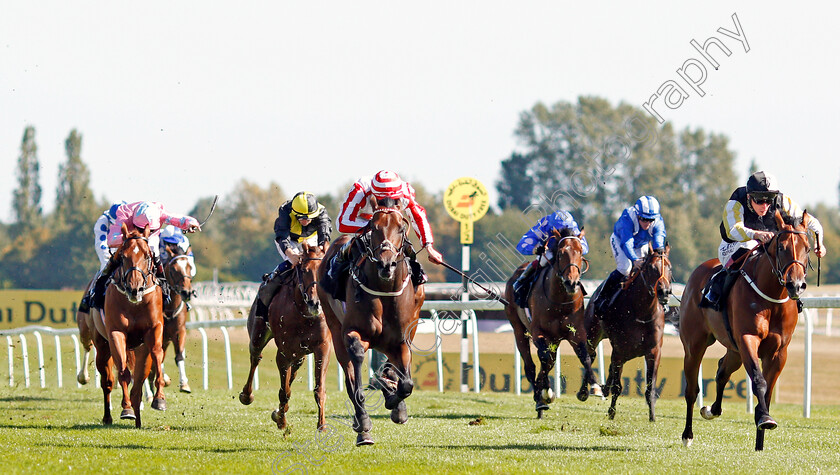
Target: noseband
{"type": "Point", "coordinates": [146, 274]}
{"type": "Point", "coordinates": [562, 271]}
{"type": "Point", "coordinates": [776, 266]}
{"type": "Point", "coordinates": [372, 253]}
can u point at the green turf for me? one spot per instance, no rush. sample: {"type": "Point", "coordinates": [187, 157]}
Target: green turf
{"type": "Point", "coordinates": [58, 430]}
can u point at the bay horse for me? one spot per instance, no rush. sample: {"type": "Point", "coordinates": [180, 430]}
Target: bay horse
{"type": "Point", "coordinates": [133, 319]}
{"type": "Point", "coordinates": [556, 313]}
{"type": "Point", "coordinates": [635, 324]}
{"type": "Point", "coordinates": [296, 321]}
{"type": "Point", "coordinates": [382, 310]}
{"type": "Point", "coordinates": [178, 273]}
{"type": "Point", "coordinates": [757, 324]}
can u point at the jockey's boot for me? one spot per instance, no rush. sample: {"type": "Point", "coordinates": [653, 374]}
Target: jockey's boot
{"type": "Point", "coordinates": [715, 298]}
{"type": "Point", "coordinates": [97, 295]}
{"type": "Point", "coordinates": [269, 286]}
{"type": "Point", "coordinates": [339, 262]}
{"type": "Point", "coordinates": [609, 292]}
{"type": "Point", "coordinates": [520, 285]}
{"type": "Point", "coordinates": [161, 278]}
{"type": "Point", "coordinates": [418, 276]}
{"type": "Point", "coordinates": [84, 304]}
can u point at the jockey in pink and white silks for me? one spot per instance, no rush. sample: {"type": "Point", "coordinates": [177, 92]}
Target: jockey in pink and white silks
{"type": "Point", "coordinates": [389, 190]}
{"type": "Point", "coordinates": [140, 215]}
{"type": "Point", "coordinates": [637, 226]}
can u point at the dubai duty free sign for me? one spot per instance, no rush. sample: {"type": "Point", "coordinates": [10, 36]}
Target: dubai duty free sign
{"type": "Point", "coordinates": [467, 201]}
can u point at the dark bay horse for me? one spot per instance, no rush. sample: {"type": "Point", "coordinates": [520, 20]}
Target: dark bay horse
{"type": "Point", "coordinates": [133, 320]}
{"type": "Point", "coordinates": [296, 321]}
{"type": "Point", "coordinates": [634, 323]}
{"type": "Point", "coordinates": [758, 324]}
{"type": "Point", "coordinates": [178, 272]}
{"type": "Point", "coordinates": [381, 312]}
{"type": "Point", "coordinates": [556, 313]}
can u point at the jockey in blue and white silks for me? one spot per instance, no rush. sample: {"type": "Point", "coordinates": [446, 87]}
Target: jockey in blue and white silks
{"type": "Point", "coordinates": [172, 235]}
{"type": "Point", "coordinates": [539, 240]}
{"type": "Point", "coordinates": [637, 226]}
{"type": "Point", "coordinates": [100, 233]}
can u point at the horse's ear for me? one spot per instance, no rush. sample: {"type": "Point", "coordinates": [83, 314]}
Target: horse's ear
{"type": "Point", "coordinates": [780, 222]}
{"type": "Point", "coordinates": [124, 230]}
{"type": "Point", "coordinates": [806, 218]}
{"type": "Point", "coordinates": [146, 231]}
{"type": "Point", "coordinates": [667, 248]}
{"type": "Point", "coordinates": [582, 233]}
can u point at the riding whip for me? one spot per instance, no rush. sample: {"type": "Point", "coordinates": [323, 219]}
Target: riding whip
{"type": "Point", "coordinates": [212, 208]}
{"type": "Point", "coordinates": [492, 293]}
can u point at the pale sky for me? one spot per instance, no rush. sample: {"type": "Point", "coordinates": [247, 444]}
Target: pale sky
{"type": "Point", "coordinates": [180, 100]}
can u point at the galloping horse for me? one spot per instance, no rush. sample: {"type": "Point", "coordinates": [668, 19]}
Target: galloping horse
{"type": "Point", "coordinates": [178, 272]}
{"type": "Point", "coordinates": [758, 322]}
{"type": "Point", "coordinates": [556, 314]}
{"type": "Point", "coordinates": [133, 320]}
{"type": "Point", "coordinates": [634, 323]}
{"type": "Point", "coordinates": [296, 321]}
{"type": "Point", "coordinates": [381, 312]}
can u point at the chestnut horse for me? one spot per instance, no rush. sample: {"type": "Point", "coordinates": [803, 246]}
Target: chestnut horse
{"type": "Point", "coordinates": [634, 323]}
{"type": "Point", "coordinates": [178, 271]}
{"type": "Point", "coordinates": [133, 320]}
{"type": "Point", "coordinates": [296, 321]}
{"type": "Point", "coordinates": [757, 324]}
{"type": "Point", "coordinates": [556, 313]}
{"type": "Point", "coordinates": [381, 311]}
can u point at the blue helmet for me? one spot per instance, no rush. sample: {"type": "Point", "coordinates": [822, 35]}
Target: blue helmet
{"type": "Point", "coordinates": [647, 207]}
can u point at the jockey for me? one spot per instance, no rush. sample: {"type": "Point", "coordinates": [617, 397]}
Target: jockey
{"type": "Point", "coordinates": [300, 219]}
{"type": "Point", "coordinates": [538, 240]}
{"type": "Point", "coordinates": [749, 220]}
{"type": "Point", "coordinates": [389, 190]}
{"type": "Point", "coordinates": [103, 252]}
{"type": "Point", "coordinates": [140, 215]}
{"type": "Point", "coordinates": [637, 226]}
{"type": "Point", "coordinates": [172, 235]}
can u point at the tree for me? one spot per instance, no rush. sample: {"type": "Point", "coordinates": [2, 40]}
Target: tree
{"type": "Point", "coordinates": [75, 203]}
{"type": "Point", "coordinates": [27, 197]}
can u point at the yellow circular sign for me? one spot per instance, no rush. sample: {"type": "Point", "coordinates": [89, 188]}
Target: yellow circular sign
{"type": "Point", "coordinates": [466, 200]}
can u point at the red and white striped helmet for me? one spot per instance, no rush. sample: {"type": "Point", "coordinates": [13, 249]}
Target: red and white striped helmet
{"type": "Point", "coordinates": [386, 184]}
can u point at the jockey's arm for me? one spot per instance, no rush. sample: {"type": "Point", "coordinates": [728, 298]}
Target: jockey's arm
{"type": "Point", "coordinates": [323, 223]}
{"type": "Point", "coordinates": [733, 222]}
{"type": "Point", "coordinates": [351, 219]}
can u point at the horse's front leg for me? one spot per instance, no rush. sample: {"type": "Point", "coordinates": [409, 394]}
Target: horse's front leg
{"type": "Point", "coordinates": [322, 361]}
{"type": "Point", "coordinates": [397, 383]}
{"type": "Point", "coordinates": [748, 348]}
{"type": "Point", "coordinates": [287, 375]}
{"type": "Point", "coordinates": [142, 367]}
{"type": "Point", "coordinates": [153, 340]}
{"type": "Point", "coordinates": [543, 394]}
{"type": "Point", "coordinates": [353, 370]}
{"type": "Point", "coordinates": [106, 376]}
{"type": "Point", "coordinates": [259, 334]}
{"type": "Point", "coordinates": [588, 375]}
{"type": "Point", "coordinates": [727, 365]}
{"type": "Point", "coordinates": [117, 345]}
{"type": "Point", "coordinates": [652, 370]}
{"type": "Point", "coordinates": [616, 367]}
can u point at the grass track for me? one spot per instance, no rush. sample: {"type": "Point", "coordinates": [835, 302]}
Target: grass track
{"type": "Point", "coordinates": [57, 430]}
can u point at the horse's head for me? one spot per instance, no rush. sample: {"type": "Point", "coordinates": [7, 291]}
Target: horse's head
{"type": "Point", "coordinates": [655, 273]}
{"type": "Point", "coordinates": [307, 273]}
{"type": "Point", "coordinates": [179, 271]}
{"type": "Point", "coordinates": [567, 261]}
{"type": "Point", "coordinates": [136, 263]}
{"type": "Point", "coordinates": [388, 231]}
{"type": "Point", "coordinates": [790, 252]}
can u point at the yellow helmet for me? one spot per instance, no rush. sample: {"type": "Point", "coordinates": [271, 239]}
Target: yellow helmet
{"type": "Point", "coordinates": [305, 206]}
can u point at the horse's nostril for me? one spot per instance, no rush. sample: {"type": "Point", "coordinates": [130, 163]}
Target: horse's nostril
{"type": "Point", "coordinates": [804, 284]}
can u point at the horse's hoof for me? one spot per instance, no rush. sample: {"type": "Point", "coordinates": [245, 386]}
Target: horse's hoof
{"type": "Point", "coordinates": [766, 422]}
{"type": "Point", "coordinates": [687, 442]}
{"type": "Point", "coordinates": [583, 395]}
{"type": "Point", "coordinates": [127, 414]}
{"type": "Point", "coordinates": [246, 399]}
{"type": "Point", "coordinates": [166, 380]}
{"type": "Point", "coordinates": [185, 388]}
{"type": "Point", "coordinates": [595, 390]}
{"type": "Point", "coordinates": [540, 412]}
{"type": "Point", "coordinates": [707, 414]}
{"type": "Point", "coordinates": [399, 414]}
{"type": "Point", "coordinates": [159, 403]}
{"type": "Point", "coordinates": [82, 378]}
{"type": "Point", "coordinates": [275, 415]}
{"type": "Point", "coordinates": [106, 421]}
{"type": "Point", "coordinates": [364, 438]}
{"type": "Point", "coordinates": [392, 401]}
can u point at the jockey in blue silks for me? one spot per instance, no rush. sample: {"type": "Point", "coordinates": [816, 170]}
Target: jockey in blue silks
{"type": "Point", "coordinates": [637, 226]}
{"type": "Point", "coordinates": [539, 240]}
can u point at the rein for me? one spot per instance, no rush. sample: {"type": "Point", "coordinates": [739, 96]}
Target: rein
{"type": "Point", "coordinates": [779, 271]}
{"type": "Point", "coordinates": [560, 272]}
{"type": "Point", "coordinates": [386, 245]}
{"type": "Point", "coordinates": [120, 283]}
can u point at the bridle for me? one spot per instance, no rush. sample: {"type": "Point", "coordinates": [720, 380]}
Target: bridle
{"type": "Point", "coordinates": [372, 253]}
{"type": "Point", "coordinates": [559, 250]}
{"type": "Point", "coordinates": [648, 262]}
{"type": "Point", "coordinates": [776, 266]}
{"type": "Point", "coordinates": [148, 274]}
{"type": "Point", "coordinates": [304, 288]}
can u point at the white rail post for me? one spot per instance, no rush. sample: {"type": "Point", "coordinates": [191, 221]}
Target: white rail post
{"type": "Point", "coordinates": [310, 370]}
{"type": "Point", "coordinates": [25, 352]}
{"type": "Point", "coordinates": [438, 351]}
{"type": "Point", "coordinates": [204, 355]}
{"type": "Point", "coordinates": [476, 365]}
{"type": "Point", "coordinates": [78, 357]}
{"type": "Point", "coordinates": [41, 374]}
{"type": "Point", "coordinates": [828, 316]}
{"type": "Point", "coordinates": [58, 365]}
{"type": "Point", "coordinates": [809, 335]}
{"type": "Point", "coordinates": [11, 361]}
{"type": "Point", "coordinates": [227, 357]}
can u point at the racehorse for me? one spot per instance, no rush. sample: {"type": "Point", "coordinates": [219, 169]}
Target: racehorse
{"type": "Point", "coordinates": [556, 313]}
{"type": "Point", "coordinates": [634, 323]}
{"type": "Point", "coordinates": [758, 322]}
{"type": "Point", "coordinates": [296, 321]}
{"type": "Point", "coordinates": [133, 320]}
{"type": "Point", "coordinates": [381, 311]}
{"type": "Point", "coordinates": [87, 332]}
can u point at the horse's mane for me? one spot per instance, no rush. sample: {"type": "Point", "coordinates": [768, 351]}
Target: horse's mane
{"type": "Point", "coordinates": [559, 234]}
